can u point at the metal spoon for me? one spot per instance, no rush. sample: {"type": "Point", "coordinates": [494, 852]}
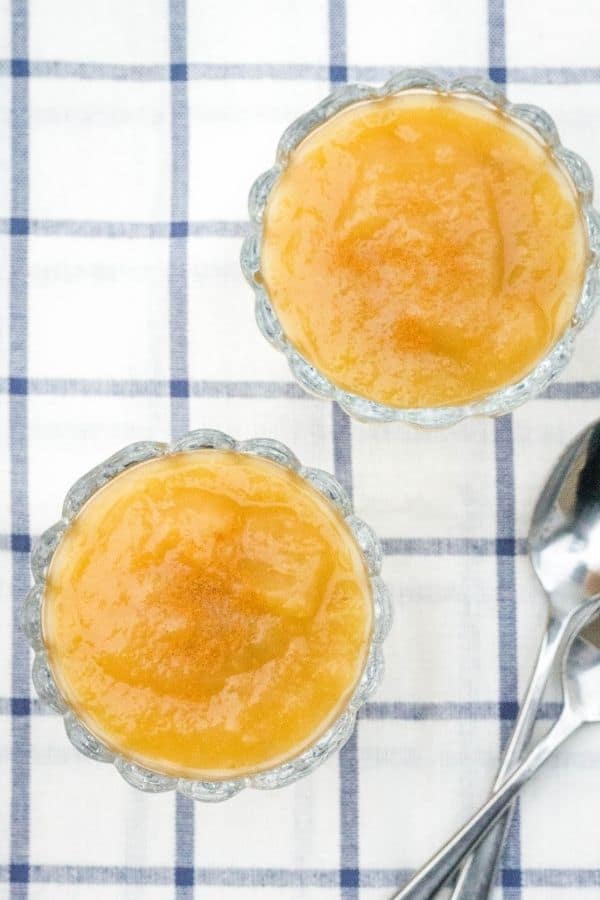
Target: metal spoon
{"type": "Point", "coordinates": [564, 548]}
{"type": "Point", "coordinates": [581, 693]}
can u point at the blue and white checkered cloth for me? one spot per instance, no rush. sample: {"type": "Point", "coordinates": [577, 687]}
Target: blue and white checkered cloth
{"type": "Point", "coordinates": [130, 133]}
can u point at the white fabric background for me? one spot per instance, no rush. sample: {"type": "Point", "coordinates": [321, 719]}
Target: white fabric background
{"type": "Point", "coordinates": [117, 325]}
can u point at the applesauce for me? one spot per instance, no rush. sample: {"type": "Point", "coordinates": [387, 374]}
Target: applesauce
{"type": "Point", "coordinates": [207, 614]}
{"type": "Point", "coordinates": [423, 250]}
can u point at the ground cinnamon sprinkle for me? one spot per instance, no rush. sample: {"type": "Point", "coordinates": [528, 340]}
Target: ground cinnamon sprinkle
{"type": "Point", "coordinates": [208, 613]}
{"type": "Point", "coordinates": [423, 250]}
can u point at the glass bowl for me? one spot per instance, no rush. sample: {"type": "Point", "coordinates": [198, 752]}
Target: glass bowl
{"type": "Point", "coordinates": [137, 775]}
{"type": "Point", "coordinates": [500, 401]}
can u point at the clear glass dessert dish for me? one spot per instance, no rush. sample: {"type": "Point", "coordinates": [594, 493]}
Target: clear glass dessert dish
{"type": "Point", "coordinates": [136, 774]}
{"type": "Point", "coordinates": [537, 123]}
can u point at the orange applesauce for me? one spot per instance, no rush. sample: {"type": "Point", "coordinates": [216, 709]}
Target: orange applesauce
{"type": "Point", "coordinates": [208, 614]}
{"type": "Point", "coordinates": [423, 250]}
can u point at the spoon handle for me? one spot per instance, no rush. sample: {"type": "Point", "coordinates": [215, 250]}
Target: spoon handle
{"type": "Point", "coordinates": [433, 875]}
{"type": "Point", "coordinates": [478, 873]}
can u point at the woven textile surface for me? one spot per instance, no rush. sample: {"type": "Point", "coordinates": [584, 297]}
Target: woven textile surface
{"type": "Point", "coordinates": [130, 132]}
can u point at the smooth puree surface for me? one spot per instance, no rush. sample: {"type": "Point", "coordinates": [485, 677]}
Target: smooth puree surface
{"type": "Point", "coordinates": [422, 250]}
{"type": "Point", "coordinates": [208, 613]}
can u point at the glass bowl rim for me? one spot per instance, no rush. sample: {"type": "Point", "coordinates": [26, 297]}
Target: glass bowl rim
{"type": "Point", "coordinates": [139, 775]}
{"type": "Point", "coordinates": [528, 116]}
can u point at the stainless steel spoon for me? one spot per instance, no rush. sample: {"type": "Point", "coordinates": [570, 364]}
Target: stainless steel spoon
{"type": "Point", "coordinates": [581, 693]}
{"type": "Point", "coordinates": [564, 548]}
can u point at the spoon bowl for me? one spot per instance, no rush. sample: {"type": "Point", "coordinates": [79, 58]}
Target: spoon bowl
{"type": "Point", "coordinates": [564, 538]}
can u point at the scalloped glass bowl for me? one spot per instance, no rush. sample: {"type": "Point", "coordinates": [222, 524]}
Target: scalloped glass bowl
{"type": "Point", "coordinates": [500, 401]}
{"type": "Point", "coordinates": [139, 776]}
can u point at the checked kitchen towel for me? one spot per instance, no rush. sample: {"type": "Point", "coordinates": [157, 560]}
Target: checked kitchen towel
{"type": "Point", "coordinates": [130, 133]}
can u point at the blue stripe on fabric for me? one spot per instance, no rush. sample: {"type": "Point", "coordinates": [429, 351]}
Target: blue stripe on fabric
{"type": "Point", "coordinates": [496, 41]}
{"type": "Point", "coordinates": [452, 711]}
{"type": "Point", "coordinates": [178, 331]}
{"type": "Point", "coordinates": [348, 760]}
{"type": "Point", "coordinates": [507, 615]}
{"type": "Point", "coordinates": [16, 706]}
{"type": "Point", "coordinates": [274, 878]}
{"type": "Point", "coordinates": [178, 312]}
{"type": "Point", "coordinates": [453, 547]}
{"type": "Point", "coordinates": [258, 71]}
{"type": "Point", "coordinates": [310, 879]}
{"type": "Point", "coordinates": [514, 75]}
{"type": "Point", "coordinates": [342, 437]}
{"type": "Point", "coordinates": [159, 388]}
{"type": "Point", "coordinates": [342, 447]}
{"type": "Point", "coordinates": [575, 390]}
{"type": "Point", "coordinates": [338, 71]}
{"type": "Point", "coordinates": [99, 71]}
{"type": "Point", "coordinates": [376, 710]}
{"type": "Point", "coordinates": [96, 71]}
{"type": "Point", "coordinates": [572, 390]}
{"type": "Point", "coordinates": [21, 543]}
{"type": "Point", "coordinates": [505, 514]}
{"type": "Point", "coordinates": [97, 228]}
{"type": "Point", "coordinates": [19, 66]}
{"type": "Point", "coordinates": [18, 429]}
